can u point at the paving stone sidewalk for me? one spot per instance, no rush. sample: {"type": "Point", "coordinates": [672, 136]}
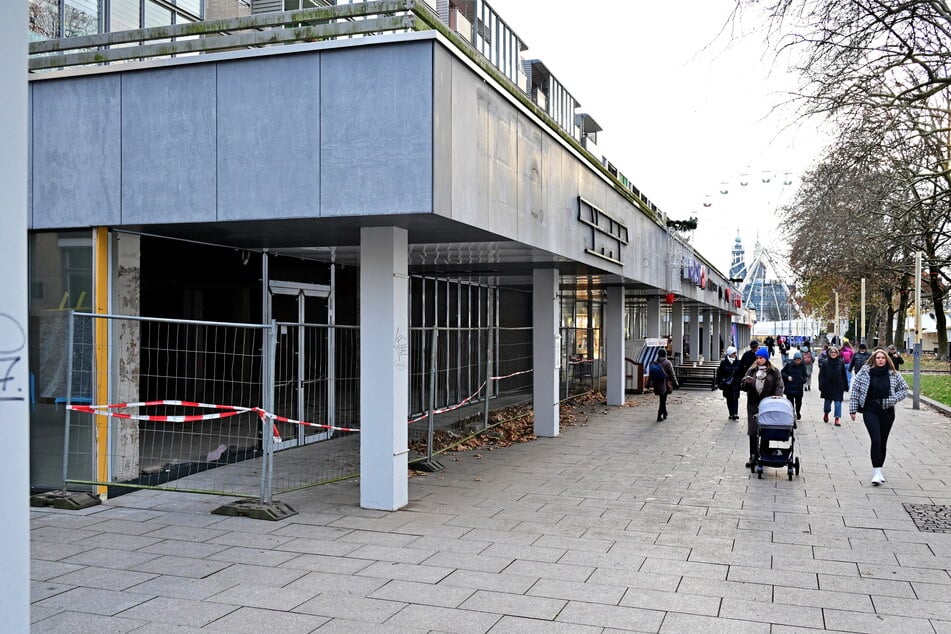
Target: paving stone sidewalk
{"type": "Point", "coordinates": [622, 524]}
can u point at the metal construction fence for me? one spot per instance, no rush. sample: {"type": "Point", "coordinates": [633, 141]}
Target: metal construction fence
{"type": "Point", "coordinates": [250, 410]}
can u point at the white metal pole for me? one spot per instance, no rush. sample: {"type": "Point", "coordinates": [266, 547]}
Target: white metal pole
{"type": "Point", "coordinates": [916, 352]}
{"type": "Point", "coordinates": [14, 390]}
{"type": "Point", "coordinates": [862, 337]}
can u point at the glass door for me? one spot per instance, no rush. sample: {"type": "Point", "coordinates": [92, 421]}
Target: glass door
{"type": "Point", "coordinates": [303, 381]}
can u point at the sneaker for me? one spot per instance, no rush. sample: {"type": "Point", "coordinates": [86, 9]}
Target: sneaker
{"type": "Point", "coordinates": [877, 477]}
{"type": "Point", "coordinates": [825, 417]}
{"type": "Point", "coordinates": [837, 423]}
{"type": "Point", "coordinates": [798, 416]}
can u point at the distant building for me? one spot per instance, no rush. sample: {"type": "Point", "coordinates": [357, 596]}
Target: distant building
{"type": "Point", "coordinates": [738, 265]}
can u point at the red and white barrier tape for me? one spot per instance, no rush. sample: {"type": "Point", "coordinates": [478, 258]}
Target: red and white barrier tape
{"type": "Point", "coordinates": [106, 410]}
{"type": "Point", "coordinates": [233, 410]}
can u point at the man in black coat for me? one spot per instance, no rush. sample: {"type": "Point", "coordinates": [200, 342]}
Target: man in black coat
{"type": "Point", "coordinates": [749, 356]}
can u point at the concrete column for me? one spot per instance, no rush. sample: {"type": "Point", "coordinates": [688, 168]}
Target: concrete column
{"type": "Point", "coordinates": [126, 290]}
{"type": "Point", "coordinates": [694, 332]}
{"type": "Point", "coordinates": [15, 389]}
{"type": "Point", "coordinates": [705, 315]}
{"type": "Point", "coordinates": [546, 350]}
{"type": "Point", "coordinates": [614, 344]}
{"type": "Point", "coordinates": [714, 334]}
{"type": "Point", "coordinates": [653, 316]}
{"type": "Point", "coordinates": [384, 367]}
{"type": "Point", "coordinates": [677, 329]}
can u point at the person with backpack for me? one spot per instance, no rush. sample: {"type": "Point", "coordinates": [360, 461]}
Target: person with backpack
{"type": "Point", "coordinates": [794, 379]}
{"type": "Point", "coordinates": [663, 381]}
{"type": "Point", "coordinates": [728, 379]}
{"type": "Point", "coordinates": [783, 344]}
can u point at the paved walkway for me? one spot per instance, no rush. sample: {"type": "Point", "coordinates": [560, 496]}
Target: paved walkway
{"type": "Point", "coordinates": [620, 524]}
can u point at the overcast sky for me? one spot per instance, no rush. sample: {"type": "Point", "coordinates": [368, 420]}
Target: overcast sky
{"type": "Point", "coordinates": [685, 102]}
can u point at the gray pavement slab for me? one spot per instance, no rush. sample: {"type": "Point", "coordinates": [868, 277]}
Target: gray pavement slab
{"type": "Point", "coordinates": [624, 524]}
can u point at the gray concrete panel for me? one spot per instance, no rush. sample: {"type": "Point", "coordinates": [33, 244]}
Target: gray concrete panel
{"type": "Point", "coordinates": [168, 145]}
{"type": "Point", "coordinates": [268, 137]}
{"type": "Point", "coordinates": [470, 197]}
{"type": "Point", "coordinates": [533, 220]}
{"type": "Point", "coordinates": [501, 121]}
{"type": "Point", "coordinates": [75, 152]}
{"type": "Point", "coordinates": [442, 131]}
{"type": "Point", "coordinates": [376, 122]}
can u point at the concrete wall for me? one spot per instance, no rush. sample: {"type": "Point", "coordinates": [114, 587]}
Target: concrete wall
{"type": "Point", "coordinates": [338, 132]}
{"type": "Point", "coordinates": [513, 177]}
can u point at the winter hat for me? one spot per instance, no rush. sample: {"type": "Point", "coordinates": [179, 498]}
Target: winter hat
{"type": "Point", "coordinates": [730, 351]}
{"type": "Point", "coordinates": [797, 355]}
{"type": "Point", "coordinates": [763, 352]}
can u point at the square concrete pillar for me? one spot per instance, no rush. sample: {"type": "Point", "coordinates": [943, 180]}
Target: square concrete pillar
{"type": "Point", "coordinates": [546, 350]}
{"type": "Point", "coordinates": [384, 367]}
{"type": "Point", "coordinates": [614, 344]}
{"type": "Point", "coordinates": [694, 332]}
{"type": "Point", "coordinates": [677, 329]}
{"type": "Point", "coordinates": [653, 316]}
{"type": "Point", "coordinates": [705, 316]}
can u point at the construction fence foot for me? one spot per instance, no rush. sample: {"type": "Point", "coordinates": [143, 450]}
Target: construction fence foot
{"type": "Point", "coordinates": [256, 510]}
{"type": "Point", "coordinates": [67, 500]}
{"type": "Point", "coordinates": [429, 466]}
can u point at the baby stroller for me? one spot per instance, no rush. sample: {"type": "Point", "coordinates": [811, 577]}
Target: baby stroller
{"type": "Point", "coordinates": [776, 420]}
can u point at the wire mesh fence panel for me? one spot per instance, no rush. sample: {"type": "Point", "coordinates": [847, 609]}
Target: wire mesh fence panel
{"type": "Point", "coordinates": [461, 409]}
{"type": "Point", "coordinates": [170, 404]}
{"type": "Point", "coordinates": [316, 405]}
{"type": "Point", "coordinates": [582, 369]}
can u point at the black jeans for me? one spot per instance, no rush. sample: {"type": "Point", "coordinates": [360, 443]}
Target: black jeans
{"type": "Point", "coordinates": [879, 423]}
{"type": "Point", "coordinates": [797, 402]}
{"type": "Point", "coordinates": [732, 402]}
{"type": "Point", "coordinates": [662, 407]}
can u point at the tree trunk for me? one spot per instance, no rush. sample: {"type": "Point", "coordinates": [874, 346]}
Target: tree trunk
{"type": "Point", "coordinates": [938, 293]}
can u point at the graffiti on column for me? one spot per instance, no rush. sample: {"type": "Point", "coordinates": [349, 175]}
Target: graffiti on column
{"type": "Point", "coordinates": [12, 341]}
{"type": "Point", "coordinates": [401, 346]}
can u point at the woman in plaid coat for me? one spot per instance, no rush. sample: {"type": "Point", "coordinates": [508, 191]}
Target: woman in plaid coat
{"type": "Point", "coordinates": [875, 391]}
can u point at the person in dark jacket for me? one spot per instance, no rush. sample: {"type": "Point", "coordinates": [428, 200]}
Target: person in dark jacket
{"type": "Point", "coordinates": [663, 388]}
{"type": "Point", "coordinates": [783, 345]}
{"type": "Point", "coordinates": [749, 357]}
{"type": "Point", "coordinates": [728, 378]}
{"type": "Point", "coordinates": [808, 360]}
{"type": "Point", "coordinates": [833, 383]}
{"type": "Point", "coordinates": [895, 357]}
{"type": "Point", "coordinates": [760, 381]}
{"type": "Point", "coordinates": [859, 359]}
{"type": "Point", "coordinates": [875, 391]}
{"type": "Point", "coordinates": [794, 379]}
{"type": "Point", "coordinates": [770, 344]}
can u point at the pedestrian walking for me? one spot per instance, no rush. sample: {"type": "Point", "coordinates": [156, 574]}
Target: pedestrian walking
{"type": "Point", "coordinates": [808, 360]}
{"type": "Point", "coordinates": [746, 361]}
{"type": "Point", "coordinates": [769, 342]}
{"type": "Point", "coordinates": [662, 385]}
{"type": "Point", "coordinates": [895, 357]}
{"type": "Point", "coordinates": [846, 353]}
{"type": "Point", "coordinates": [833, 383]}
{"type": "Point", "coordinates": [859, 359]}
{"type": "Point", "coordinates": [728, 378]}
{"type": "Point", "coordinates": [784, 346]}
{"type": "Point", "coordinates": [760, 381]}
{"type": "Point", "coordinates": [794, 380]}
{"type": "Point", "coordinates": [877, 388]}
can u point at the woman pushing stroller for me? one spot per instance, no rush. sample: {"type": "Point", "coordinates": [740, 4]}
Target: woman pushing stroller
{"type": "Point", "coordinates": [762, 380]}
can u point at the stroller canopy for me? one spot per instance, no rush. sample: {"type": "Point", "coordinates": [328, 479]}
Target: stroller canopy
{"type": "Point", "coordinates": [776, 412]}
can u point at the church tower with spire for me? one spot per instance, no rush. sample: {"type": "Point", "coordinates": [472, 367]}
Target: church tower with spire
{"type": "Point", "coordinates": [738, 266]}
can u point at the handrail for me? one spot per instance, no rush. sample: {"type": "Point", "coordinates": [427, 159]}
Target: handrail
{"type": "Point", "coordinates": [305, 25]}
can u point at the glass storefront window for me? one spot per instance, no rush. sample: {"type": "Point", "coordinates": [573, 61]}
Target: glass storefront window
{"type": "Point", "coordinates": [60, 281]}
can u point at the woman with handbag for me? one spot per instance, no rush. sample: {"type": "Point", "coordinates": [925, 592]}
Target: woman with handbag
{"type": "Point", "coordinates": [727, 381]}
